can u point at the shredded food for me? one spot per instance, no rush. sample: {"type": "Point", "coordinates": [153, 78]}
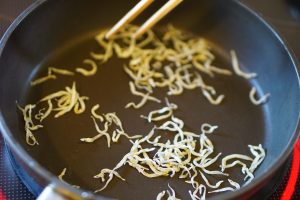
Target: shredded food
{"type": "Point", "coordinates": [190, 155]}
{"type": "Point", "coordinates": [60, 102]}
{"type": "Point", "coordinates": [145, 97]}
{"type": "Point", "coordinates": [107, 120]}
{"type": "Point", "coordinates": [66, 101]}
{"type": "Point", "coordinates": [62, 174]}
{"type": "Point", "coordinates": [162, 113]}
{"type": "Point", "coordinates": [29, 125]}
{"type": "Point", "coordinates": [90, 72]}
{"type": "Point", "coordinates": [261, 100]}
{"type": "Point", "coordinates": [51, 75]}
{"type": "Point", "coordinates": [173, 61]}
{"type": "Point", "coordinates": [237, 69]}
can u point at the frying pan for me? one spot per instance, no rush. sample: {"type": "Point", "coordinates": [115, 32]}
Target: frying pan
{"type": "Point", "coordinates": [61, 33]}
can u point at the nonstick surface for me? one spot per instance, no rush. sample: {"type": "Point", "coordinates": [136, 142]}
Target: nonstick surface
{"type": "Point", "coordinates": [241, 123]}
{"type": "Point", "coordinates": [68, 37]}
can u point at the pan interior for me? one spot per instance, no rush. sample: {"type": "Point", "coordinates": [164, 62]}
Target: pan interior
{"type": "Point", "coordinates": [241, 123]}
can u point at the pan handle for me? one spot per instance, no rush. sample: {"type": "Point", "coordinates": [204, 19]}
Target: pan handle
{"type": "Point", "coordinates": [51, 192]}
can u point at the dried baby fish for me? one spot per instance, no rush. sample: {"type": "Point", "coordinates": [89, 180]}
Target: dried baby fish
{"type": "Point", "coordinates": [237, 69]}
{"type": "Point", "coordinates": [90, 72]}
{"type": "Point", "coordinates": [51, 75]}
{"type": "Point", "coordinates": [108, 119]}
{"type": "Point", "coordinates": [29, 125]}
{"type": "Point", "coordinates": [259, 101]}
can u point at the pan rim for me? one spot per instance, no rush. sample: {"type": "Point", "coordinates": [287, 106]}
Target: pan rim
{"type": "Point", "coordinates": [41, 171]}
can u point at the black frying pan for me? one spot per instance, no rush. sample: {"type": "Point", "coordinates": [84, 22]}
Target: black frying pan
{"type": "Point", "coordinates": [60, 33]}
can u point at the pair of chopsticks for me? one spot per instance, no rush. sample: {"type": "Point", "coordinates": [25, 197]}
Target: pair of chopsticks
{"type": "Point", "coordinates": [136, 11]}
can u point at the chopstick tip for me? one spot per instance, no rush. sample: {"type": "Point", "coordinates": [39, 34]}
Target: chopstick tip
{"type": "Point", "coordinates": [108, 35]}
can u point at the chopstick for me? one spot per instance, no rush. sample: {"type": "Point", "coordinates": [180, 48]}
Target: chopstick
{"type": "Point", "coordinates": [137, 10]}
{"type": "Point", "coordinates": [129, 17]}
{"type": "Point", "coordinates": [162, 12]}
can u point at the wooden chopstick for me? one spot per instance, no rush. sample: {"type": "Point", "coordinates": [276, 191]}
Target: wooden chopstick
{"type": "Point", "coordinates": [163, 11]}
{"type": "Point", "coordinates": [130, 16]}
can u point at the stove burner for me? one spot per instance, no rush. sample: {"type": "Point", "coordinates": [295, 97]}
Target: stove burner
{"type": "Point", "coordinates": [10, 185]}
